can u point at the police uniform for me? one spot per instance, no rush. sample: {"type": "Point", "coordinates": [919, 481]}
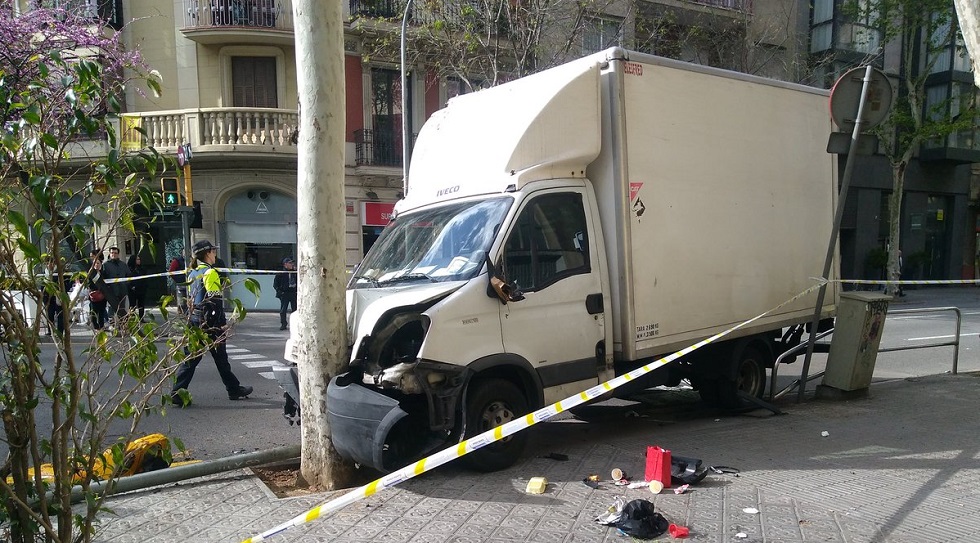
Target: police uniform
{"type": "Point", "coordinates": [208, 313]}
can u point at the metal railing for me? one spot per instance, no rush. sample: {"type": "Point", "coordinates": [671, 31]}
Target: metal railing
{"type": "Point", "coordinates": [240, 126]}
{"type": "Point", "coordinates": [955, 343]}
{"type": "Point", "coordinates": [273, 14]}
{"type": "Point", "coordinates": [737, 5]}
{"type": "Point", "coordinates": [378, 147]}
{"type": "Point", "coordinates": [376, 8]}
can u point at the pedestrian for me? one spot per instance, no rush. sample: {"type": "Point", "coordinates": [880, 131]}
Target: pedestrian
{"type": "Point", "coordinates": [98, 301]}
{"type": "Point", "coordinates": [53, 303]}
{"type": "Point", "coordinates": [178, 267]}
{"type": "Point", "coordinates": [901, 291]}
{"type": "Point", "coordinates": [285, 285]}
{"type": "Point", "coordinates": [206, 311]}
{"type": "Point", "coordinates": [117, 292]}
{"type": "Point", "coordinates": [137, 286]}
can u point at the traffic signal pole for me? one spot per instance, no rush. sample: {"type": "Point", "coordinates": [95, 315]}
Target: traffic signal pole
{"type": "Point", "coordinates": [184, 161]}
{"type": "Point", "coordinates": [185, 212]}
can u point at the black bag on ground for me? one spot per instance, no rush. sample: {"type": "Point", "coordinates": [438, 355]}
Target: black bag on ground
{"type": "Point", "coordinates": [639, 520]}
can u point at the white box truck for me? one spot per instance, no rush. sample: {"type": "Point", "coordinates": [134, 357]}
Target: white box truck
{"type": "Point", "coordinates": [573, 225]}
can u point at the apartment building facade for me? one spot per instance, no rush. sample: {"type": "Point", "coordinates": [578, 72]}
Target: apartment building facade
{"type": "Point", "coordinates": [939, 220]}
{"type": "Point", "coordinates": [228, 70]}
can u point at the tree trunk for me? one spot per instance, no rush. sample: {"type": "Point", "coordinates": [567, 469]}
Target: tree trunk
{"type": "Point", "coordinates": [321, 246]}
{"type": "Point", "coordinates": [895, 225]}
{"type": "Point", "coordinates": [969, 15]}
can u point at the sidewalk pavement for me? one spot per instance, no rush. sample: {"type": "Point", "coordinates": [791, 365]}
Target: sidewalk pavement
{"type": "Point", "coordinates": [898, 466]}
{"type": "Point", "coordinates": [902, 465]}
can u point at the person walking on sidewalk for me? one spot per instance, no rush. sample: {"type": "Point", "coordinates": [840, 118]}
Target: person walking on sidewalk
{"type": "Point", "coordinates": [207, 312]}
{"type": "Point", "coordinates": [177, 268]}
{"type": "Point", "coordinates": [97, 289]}
{"type": "Point", "coordinates": [116, 293]}
{"type": "Point", "coordinates": [285, 285]}
{"type": "Point", "coordinates": [137, 287]}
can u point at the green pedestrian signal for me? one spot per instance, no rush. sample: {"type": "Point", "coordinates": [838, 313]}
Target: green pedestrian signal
{"type": "Point", "coordinates": [171, 191]}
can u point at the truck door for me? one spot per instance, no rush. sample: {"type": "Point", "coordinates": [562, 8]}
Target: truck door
{"type": "Point", "coordinates": [550, 255]}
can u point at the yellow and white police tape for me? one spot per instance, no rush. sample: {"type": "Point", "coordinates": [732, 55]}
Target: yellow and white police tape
{"type": "Point", "coordinates": [496, 434]}
{"type": "Point", "coordinates": [917, 282]}
{"type": "Point", "coordinates": [183, 272]}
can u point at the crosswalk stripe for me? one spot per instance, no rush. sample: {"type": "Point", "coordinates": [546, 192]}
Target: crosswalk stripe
{"type": "Point", "coordinates": [248, 356]}
{"type": "Point", "coordinates": [262, 364]}
{"type": "Point", "coordinates": [252, 360]}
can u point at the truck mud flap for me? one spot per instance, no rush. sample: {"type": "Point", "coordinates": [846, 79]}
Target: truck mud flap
{"type": "Point", "coordinates": [360, 420]}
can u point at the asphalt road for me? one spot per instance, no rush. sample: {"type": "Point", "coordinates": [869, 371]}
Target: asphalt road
{"type": "Point", "coordinates": [215, 427]}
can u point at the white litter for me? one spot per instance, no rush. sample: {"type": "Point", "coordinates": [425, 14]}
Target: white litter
{"type": "Point", "coordinates": [741, 535]}
{"type": "Point", "coordinates": [751, 510]}
{"type": "Point", "coordinates": [825, 433]}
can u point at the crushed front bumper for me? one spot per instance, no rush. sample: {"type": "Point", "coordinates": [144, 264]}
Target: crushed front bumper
{"type": "Point", "coordinates": [360, 421]}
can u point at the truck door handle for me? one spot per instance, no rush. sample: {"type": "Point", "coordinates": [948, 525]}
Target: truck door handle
{"type": "Point", "coordinates": [593, 303]}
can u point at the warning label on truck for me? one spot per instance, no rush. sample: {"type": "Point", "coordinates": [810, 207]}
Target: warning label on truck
{"type": "Point", "coordinates": [647, 331]}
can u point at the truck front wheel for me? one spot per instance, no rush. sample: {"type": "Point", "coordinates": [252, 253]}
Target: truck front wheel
{"type": "Point", "coordinates": [489, 404]}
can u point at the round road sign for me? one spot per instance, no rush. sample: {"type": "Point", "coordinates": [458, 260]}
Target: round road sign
{"type": "Point", "coordinates": [846, 94]}
{"type": "Point", "coordinates": [181, 157]}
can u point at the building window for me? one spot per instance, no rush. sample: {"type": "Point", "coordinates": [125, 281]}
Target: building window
{"type": "Point", "coordinates": [386, 117]}
{"type": "Point", "coordinates": [952, 101]}
{"type": "Point", "coordinates": [599, 33]}
{"type": "Point", "coordinates": [253, 81]}
{"type": "Point", "coordinates": [831, 29]}
{"type": "Point", "coordinates": [946, 50]}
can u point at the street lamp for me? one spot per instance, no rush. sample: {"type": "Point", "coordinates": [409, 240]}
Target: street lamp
{"type": "Point", "coordinates": [405, 142]}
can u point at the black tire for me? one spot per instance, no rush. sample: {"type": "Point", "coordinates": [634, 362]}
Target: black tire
{"type": "Point", "coordinates": [490, 403]}
{"type": "Point", "coordinates": [709, 389]}
{"type": "Point", "coordinates": [750, 378]}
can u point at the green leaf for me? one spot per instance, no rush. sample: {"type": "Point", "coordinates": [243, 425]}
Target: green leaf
{"type": "Point", "coordinates": [19, 222]}
{"type": "Point", "coordinates": [31, 252]}
{"type": "Point", "coordinates": [253, 286]}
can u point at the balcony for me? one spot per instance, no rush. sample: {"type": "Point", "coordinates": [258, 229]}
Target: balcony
{"type": "Point", "coordinates": [378, 148]}
{"type": "Point", "coordinates": [268, 22]}
{"type": "Point", "coordinates": [376, 9]}
{"type": "Point", "coordinates": [236, 133]}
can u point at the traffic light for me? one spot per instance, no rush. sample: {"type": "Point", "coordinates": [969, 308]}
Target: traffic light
{"type": "Point", "coordinates": [171, 192]}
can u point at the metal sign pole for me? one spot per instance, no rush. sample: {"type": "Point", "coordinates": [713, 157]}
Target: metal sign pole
{"type": "Point", "coordinates": [828, 262]}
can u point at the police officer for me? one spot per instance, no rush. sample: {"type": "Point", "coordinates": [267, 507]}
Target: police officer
{"type": "Point", "coordinates": [206, 310]}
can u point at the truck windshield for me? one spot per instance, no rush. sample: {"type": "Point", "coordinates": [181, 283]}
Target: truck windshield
{"type": "Point", "coordinates": [445, 243]}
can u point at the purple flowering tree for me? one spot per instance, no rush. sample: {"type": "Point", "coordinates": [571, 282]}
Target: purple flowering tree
{"type": "Point", "coordinates": [62, 76]}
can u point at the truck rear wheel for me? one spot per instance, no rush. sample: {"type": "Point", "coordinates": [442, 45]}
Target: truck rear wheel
{"type": "Point", "coordinates": [489, 404]}
{"type": "Point", "coordinates": [750, 378]}
{"type": "Point", "coordinates": [747, 374]}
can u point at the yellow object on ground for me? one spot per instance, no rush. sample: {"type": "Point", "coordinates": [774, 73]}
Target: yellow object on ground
{"type": "Point", "coordinates": [537, 485]}
{"type": "Point", "coordinates": [148, 453]}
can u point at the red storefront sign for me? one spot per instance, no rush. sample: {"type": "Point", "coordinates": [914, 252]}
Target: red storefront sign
{"type": "Point", "coordinates": [376, 213]}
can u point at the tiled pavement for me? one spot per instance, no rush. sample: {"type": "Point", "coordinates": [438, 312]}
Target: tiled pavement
{"type": "Point", "coordinates": [900, 466]}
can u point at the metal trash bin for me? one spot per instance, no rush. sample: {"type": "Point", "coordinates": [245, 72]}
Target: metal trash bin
{"type": "Point", "coordinates": [854, 348]}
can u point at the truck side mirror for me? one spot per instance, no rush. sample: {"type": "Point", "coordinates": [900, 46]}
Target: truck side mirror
{"type": "Point", "coordinates": [499, 287]}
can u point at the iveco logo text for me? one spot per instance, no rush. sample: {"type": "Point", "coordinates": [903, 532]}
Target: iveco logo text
{"type": "Point", "coordinates": [445, 192]}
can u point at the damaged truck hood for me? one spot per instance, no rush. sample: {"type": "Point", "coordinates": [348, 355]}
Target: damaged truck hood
{"type": "Point", "coordinates": [366, 305]}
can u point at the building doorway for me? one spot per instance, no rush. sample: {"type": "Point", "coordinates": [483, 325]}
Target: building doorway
{"type": "Point", "coordinates": [260, 230]}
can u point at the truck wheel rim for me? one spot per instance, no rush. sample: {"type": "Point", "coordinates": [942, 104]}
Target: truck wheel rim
{"type": "Point", "coordinates": [495, 414]}
{"type": "Point", "coordinates": [748, 380]}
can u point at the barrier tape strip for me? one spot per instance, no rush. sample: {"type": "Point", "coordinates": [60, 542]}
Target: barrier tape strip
{"type": "Point", "coordinates": [496, 434]}
{"type": "Point", "coordinates": [917, 282]}
{"type": "Point", "coordinates": [184, 272]}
